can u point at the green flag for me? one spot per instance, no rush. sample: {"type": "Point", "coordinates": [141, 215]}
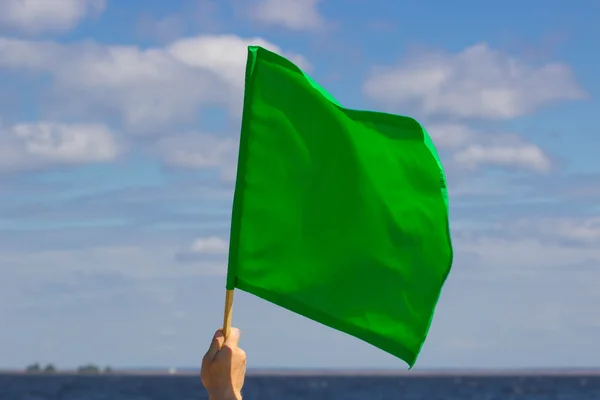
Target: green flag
{"type": "Point", "coordinates": [339, 215]}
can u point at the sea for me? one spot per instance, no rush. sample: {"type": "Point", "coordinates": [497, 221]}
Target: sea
{"type": "Point", "coordinates": [325, 387]}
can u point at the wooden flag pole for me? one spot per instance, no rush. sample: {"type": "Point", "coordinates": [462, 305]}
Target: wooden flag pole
{"type": "Point", "coordinates": [227, 314]}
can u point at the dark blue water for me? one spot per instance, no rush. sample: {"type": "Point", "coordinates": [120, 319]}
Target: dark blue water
{"type": "Point", "coordinates": [302, 388]}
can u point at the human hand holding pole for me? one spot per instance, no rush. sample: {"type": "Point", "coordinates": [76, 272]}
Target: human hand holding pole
{"type": "Point", "coordinates": [224, 367]}
{"type": "Point", "coordinates": [224, 364]}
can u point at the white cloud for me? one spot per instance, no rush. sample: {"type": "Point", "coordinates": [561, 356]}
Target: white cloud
{"type": "Point", "coordinates": [581, 231]}
{"type": "Point", "coordinates": [478, 82]}
{"type": "Point", "coordinates": [298, 15]}
{"type": "Point", "coordinates": [38, 16]}
{"type": "Point", "coordinates": [472, 149]}
{"type": "Point", "coordinates": [209, 245]}
{"type": "Point", "coordinates": [450, 135]}
{"type": "Point", "coordinates": [31, 145]}
{"type": "Point", "coordinates": [197, 150]}
{"type": "Point", "coordinates": [514, 248]}
{"type": "Point", "coordinates": [530, 242]}
{"type": "Point", "coordinates": [586, 231]}
{"type": "Point", "coordinates": [210, 252]}
{"type": "Point", "coordinates": [525, 156]}
{"type": "Point", "coordinates": [135, 261]}
{"type": "Point", "coordinates": [148, 89]}
{"type": "Point", "coordinates": [526, 252]}
{"type": "Point", "coordinates": [224, 55]}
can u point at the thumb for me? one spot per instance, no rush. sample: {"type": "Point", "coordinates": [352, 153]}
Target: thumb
{"type": "Point", "coordinates": [233, 339]}
{"type": "Point", "coordinates": [215, 345]}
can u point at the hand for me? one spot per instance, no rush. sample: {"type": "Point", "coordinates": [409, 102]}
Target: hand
{"type": "Point", "coordinates": [224, 367]}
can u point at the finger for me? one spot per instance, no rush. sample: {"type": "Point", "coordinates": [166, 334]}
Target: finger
{"type": "Point", "coordinates": [215, 345]}
{"type": "Point", "coordinates": [233, 339]}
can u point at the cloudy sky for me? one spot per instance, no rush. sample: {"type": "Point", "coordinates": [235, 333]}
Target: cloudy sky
{"type": "Point", "coordinates": [119, 123]}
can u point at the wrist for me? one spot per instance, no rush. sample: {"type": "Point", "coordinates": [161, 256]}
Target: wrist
{"type": "Point", "coordinates": [227, 396]}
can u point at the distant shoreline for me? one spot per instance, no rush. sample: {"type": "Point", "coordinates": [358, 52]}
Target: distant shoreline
{"type": "Point", "coordinates": [330, 373]}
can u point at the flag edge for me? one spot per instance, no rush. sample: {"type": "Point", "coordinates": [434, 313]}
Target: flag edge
{"type": "Point", "coordinates": [398, 350]}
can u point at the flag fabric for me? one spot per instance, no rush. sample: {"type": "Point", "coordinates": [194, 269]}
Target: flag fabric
{"type": "Point", "coordinates": [339, 215]}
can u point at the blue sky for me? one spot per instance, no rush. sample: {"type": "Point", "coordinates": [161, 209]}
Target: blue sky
{"type": "Point", "coordinates": [118, 139]}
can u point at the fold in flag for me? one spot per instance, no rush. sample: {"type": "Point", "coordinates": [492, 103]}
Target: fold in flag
{"type": "Point", "coordinates": [339, 215]}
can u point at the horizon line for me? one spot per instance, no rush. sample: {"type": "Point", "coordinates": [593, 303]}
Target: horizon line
{"type": "Point", "coordinates": [325, 371]}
